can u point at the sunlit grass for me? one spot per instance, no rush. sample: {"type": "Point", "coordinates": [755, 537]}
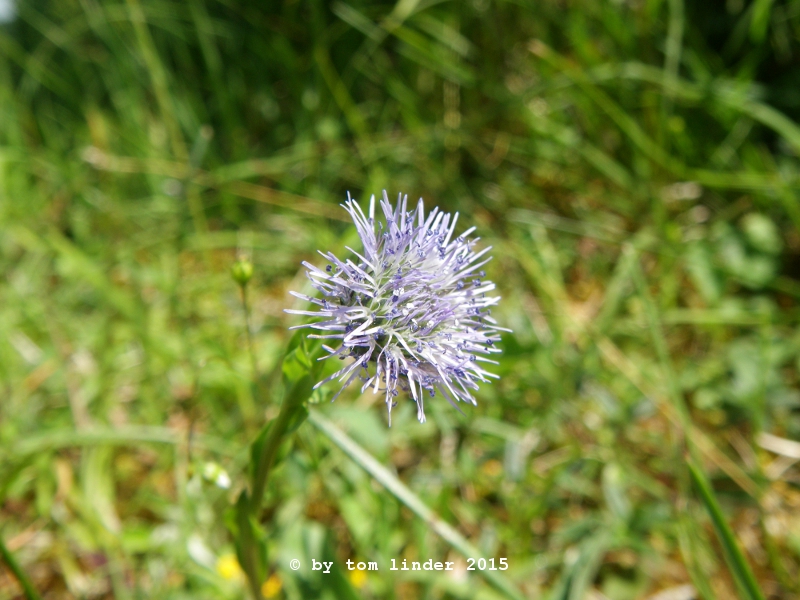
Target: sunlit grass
{"type": "Point", "coordinates": [634, 166]}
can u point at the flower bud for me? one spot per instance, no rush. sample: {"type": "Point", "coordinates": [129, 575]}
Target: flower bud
{"type": "Point", "coordinates": [242, 271]}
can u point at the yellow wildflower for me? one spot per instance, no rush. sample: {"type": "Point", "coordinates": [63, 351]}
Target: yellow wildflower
{"type": "Point", "coordinates": [272, 586]}
{"type": "Point", "coordinates": [358, 578]}
{"type": "Point", "coordinates": [228, 567]}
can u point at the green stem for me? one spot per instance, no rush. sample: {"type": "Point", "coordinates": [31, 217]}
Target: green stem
{"type": "Point", "coordinates": [16, 570]}
{"type": "Point", "coordinates": [250, 347]}
{"type": "Point", "coordinates": [275, 435]}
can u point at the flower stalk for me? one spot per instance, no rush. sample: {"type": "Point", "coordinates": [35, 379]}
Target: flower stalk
{"type": "Point", "coordinates": [276, 431]}
{"type": "Point", "coordinates": [299, 372]}
{"type": "Point", "coordinates": [242, 273]}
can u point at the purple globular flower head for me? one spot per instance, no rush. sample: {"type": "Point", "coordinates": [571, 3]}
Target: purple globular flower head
{"type": "Point", "coordinates": [410, 311]}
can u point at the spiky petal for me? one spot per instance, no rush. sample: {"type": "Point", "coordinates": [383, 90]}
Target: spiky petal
{"type": "Point", "coordinates": [410, 311]}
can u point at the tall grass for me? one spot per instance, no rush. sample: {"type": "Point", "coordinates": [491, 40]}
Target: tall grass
{"type": "Point", "coordinates": [634, 165]}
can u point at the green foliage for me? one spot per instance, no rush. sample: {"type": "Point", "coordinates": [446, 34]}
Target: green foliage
{"type": "Point", "coordinates": [737, 563]}
{"type": "Point", "coordinates": [250, 540]}
{"type": "Point", "coordinates": [634, 166]}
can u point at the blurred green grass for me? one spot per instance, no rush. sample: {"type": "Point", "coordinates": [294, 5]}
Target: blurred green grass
{"type": "Point", "coordinates": [634, 165]}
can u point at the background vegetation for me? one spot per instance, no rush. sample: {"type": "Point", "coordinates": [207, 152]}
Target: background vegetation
{"type": "Point", "coordinates": [634, 163]}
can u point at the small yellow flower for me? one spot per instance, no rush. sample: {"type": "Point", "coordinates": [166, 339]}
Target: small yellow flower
{"type": "Point", "coordinates": [272, 586]}
{"type": "Point", "coordinates": [358, 579]}
{"type": "Point", "coordinates": [228, 567]}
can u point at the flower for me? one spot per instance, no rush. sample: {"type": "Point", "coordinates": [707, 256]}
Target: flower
{"type": "Point", "coordinates": [228, 567]}
{"type": "Point", "coordinates": [410, 310]}
{"type": "Point", "coordinates": [272, 586]}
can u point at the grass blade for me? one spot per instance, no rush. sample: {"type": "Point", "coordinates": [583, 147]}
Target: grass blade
{"type": "Point", "coordinates": [27, 587]}
{"type": "Point", "coordinates": [737, 563]}
{"type": "Point", "coordinates": [400, 491]}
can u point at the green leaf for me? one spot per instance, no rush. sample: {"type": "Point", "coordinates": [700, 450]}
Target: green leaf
{"type": "Point", "coordinates": [295, 366]}
{"type": "Point", "coordinates": [298, 418]}
{"type": "Point", "coordinates": [300, 368]}
{"type": "Point", "coordinates": [300, 371]}
{"type": "Point", "coordinates": [98, 486]}
{"type": "Point", "coordinates": [759, 22]}
{"type": "Point", "coordinates": [256, 450]}
{"type": "Point", "coordinates": [737, 563]}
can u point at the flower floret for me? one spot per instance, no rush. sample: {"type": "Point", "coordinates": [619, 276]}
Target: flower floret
{"type": "Point", "coordinates": [411, 309]}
